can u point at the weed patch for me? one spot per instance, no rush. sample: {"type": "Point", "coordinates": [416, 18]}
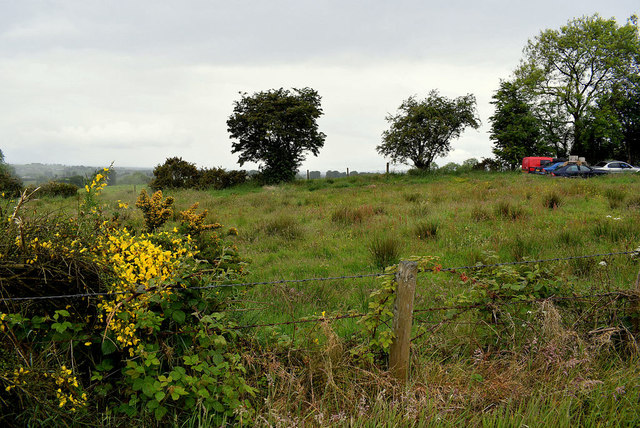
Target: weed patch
{"type": "Point", "coordinates": [385, 251]}
{"type": "Point", "coordinates": [426, 229]}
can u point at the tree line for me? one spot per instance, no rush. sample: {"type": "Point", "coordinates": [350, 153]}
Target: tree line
{"type": "Point", "coordinates": [575, 91]}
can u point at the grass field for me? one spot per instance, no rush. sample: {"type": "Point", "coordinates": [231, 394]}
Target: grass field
{"type": "Point", "coordinates": [545, 367]}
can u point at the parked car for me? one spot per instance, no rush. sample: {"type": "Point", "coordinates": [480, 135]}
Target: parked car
{"type": "Point", "coordinates": [575, 170]}
{"type": "Point", "coordinates": [550, 168]}
{"type": "Point", "coordinates": [615, 166]}
{"type": "Point", "coordinates": [533, 163]}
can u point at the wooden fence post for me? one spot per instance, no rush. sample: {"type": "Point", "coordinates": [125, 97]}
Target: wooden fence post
{"type": "Point", "coordinates": [308, 177]}
{"type": "Point", "coordinates": [402, 319]}
{"type": "Point", "coordinates": [635, 307]}
{"type": "Point", "coordinates": [387, 168]}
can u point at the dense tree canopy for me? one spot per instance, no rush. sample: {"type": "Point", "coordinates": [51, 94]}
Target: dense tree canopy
{"type": "Point", "coordinates": [515, 131]}
{"type": "Point", "coordinates": [568, 70]}
{"type": "Point", "coordinates": [421, 130]}
{"type": "Point", "coordinates": [276, 128]}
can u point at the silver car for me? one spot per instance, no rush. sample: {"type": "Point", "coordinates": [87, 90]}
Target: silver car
{"type": "Point", "coordinates": [615, 166]}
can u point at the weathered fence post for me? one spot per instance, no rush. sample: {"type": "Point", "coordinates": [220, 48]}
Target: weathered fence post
{"type": "Point", "coordinates": [347, 172]}
{"type": "Point", "coordinates": [635, 307]}
{"type": "Point", "coordinates": [402, 319]}
{"type": "Point", "coordinates": [387, 168]}
{"type": "Point", "coordinates": [308, 177]}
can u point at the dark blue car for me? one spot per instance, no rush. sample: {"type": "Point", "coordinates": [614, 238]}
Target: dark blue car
{"type": "Point", "coordinates": [575, 170]}
{"type": "Point", "coordinates": [549, 169]}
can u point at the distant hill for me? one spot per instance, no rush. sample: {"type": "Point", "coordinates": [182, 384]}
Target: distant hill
{"type": "Point", "coordinates": [38, 173]}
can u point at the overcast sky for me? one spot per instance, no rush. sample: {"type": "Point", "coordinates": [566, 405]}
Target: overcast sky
{"type": "Point", "coordinates": [89, 82]}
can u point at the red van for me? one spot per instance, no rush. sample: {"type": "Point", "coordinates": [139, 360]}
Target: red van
{"type": "Point", "coordinates": [534, 163]}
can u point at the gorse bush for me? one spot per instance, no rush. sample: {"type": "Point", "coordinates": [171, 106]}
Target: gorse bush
{"type": "Point", "coordinates": [149, 347]}
{"type": "Point", "coordinates": [155, 209]}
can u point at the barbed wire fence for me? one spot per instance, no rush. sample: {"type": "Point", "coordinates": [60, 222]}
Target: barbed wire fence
{"type": "Point", "coordinates": [402, 320]}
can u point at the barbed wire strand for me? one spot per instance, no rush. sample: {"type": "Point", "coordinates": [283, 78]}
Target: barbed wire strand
{"type": "Point", "coordinates": [297, 281]}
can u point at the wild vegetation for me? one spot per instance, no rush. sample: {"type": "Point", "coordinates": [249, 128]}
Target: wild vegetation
{"type": "Point", "coordinates": [534, 344]}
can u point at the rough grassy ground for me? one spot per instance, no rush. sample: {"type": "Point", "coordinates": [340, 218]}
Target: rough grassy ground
{"type": "Point", "coordinates": [328, 228]}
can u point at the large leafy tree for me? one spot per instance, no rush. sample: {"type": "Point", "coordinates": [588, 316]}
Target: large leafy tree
{"type": "Point", "coordinates": [276, 129]}
{"type": "Point", "coordinates": [568, 69]}
{"type": "Point", "coordinates": [422, 130]}
{"type": "Point", "coordinates": [515, 131]}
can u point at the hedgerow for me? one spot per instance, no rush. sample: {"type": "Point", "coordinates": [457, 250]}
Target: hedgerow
{"type": "Point", "coordinates": [137, 340]}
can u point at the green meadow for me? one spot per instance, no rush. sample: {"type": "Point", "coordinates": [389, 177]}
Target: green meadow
{"type": "Point", "coordinates": [546, 365]}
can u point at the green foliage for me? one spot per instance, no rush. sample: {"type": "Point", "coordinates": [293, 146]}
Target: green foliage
{"type": "Point", "coordinates": [159, 347]}
{"type": "Point", "coordinates": [515, 131]}
{"type": "Point", "coordinates": [567, 70]}
{"type": "Point", "coordinates": [218, 178]}
{"type": "Point", "coordinates": [10, 184]}
{"type": "Point", "coordinates": [55, 188]}
{"type": "Point", "coordinates": [275, 128]}
{"type": "Point", "coordinates": [423, 129]}
{"type": "Point", "coordinates": [174, 173]}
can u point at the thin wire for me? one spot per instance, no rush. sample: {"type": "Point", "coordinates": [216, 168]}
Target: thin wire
{"type": "Point", "coordinates": [297, 281]}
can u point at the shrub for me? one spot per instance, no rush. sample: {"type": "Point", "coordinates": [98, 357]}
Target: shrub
{"type": "Point", "coordinates": [384, 251]}
{"type": "Point", "coordinates": [54, 188]}
{"type": "Point", "coordinates": [174, 173]}
{"type": "Point", "coordinates": [193, 224]}
{"type": "Point", "coordinates": [218, 178]}
{"type": "Point", "coordinates": [155, 211]}
{"type": "Point", "coordinates": [149, 351]}
{"type": "Point", "coordinates": [10, 184]}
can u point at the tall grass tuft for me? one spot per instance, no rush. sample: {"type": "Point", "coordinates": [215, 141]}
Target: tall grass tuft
{"type": "Point", "coordinates": [283, 227]}
{"type": "Point", "coordinates": [508, 211]}
{"type": "Point", "coordinates": [552, 200]}
{"type": "Point", "coordinates": [421, 209]}
{"type": "Point", "coordinates": [412, 197]}
{"type": "Point", "coordinates": [479, 213]}
{"type": "Point", "coordinates": [385, 251]}
{"type": "Point", "coordinates": [350, 215]}
{"type": "Point", "coordinates": [615, 196]}
{"type": "Point", "coordinates": [427, 229]}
